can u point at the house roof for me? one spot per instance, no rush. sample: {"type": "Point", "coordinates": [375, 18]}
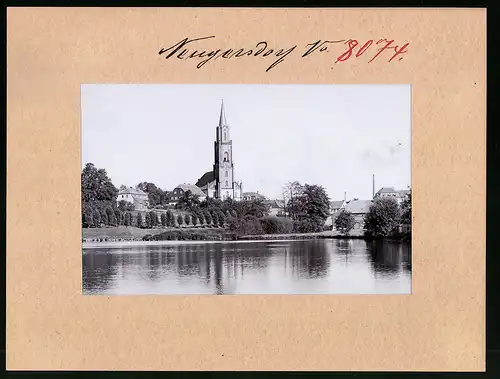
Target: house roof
{"type": "Point", "coordinates": [404, 192]}
{"type": "Point", "coordinates": [336, 204]}
{"type": "Point", "coordinates": [275, 203]}
{"type": "Point", "coordinates": [190, 187]}
{"type": "Point", "coordinates": [205, 179]}
{"type": "Point", "coordinates": [358, 206]}
{"type": "Point", "coordinates": [254, 194]}
{"type": "Point", "coordinates": [131, 191]}
{"type": "Point", "coordinates": [386, 190]}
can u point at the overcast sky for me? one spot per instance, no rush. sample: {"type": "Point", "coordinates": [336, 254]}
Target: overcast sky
{"type": "Point", "coordinates": [335, 136]}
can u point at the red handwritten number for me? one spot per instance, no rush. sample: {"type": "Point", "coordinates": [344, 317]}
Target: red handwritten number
{"type": "Point", "coordinates": [363, 48]}
{"type": "Point", "coordinates": [352, 43]}
{"type": "Point", "coordinates": [382, 48]}
{"type": "Point", "coordinates": [399, 51]}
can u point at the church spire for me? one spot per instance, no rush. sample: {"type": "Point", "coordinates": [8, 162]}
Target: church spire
{"type": "Point", "coordinates": [222, 118]}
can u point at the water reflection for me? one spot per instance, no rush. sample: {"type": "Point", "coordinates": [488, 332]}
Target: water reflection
{"type": "Point", "coordinates": [313, 266]}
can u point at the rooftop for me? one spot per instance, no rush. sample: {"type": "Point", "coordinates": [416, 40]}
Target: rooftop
{"type": "Point", "coordinates": [358, 206]}
{"type": "Point", "coordinates": [195, 190]}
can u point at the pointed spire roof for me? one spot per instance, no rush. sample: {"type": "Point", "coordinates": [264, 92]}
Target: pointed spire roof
{"type": "Point", "coordinates": [222, 118]}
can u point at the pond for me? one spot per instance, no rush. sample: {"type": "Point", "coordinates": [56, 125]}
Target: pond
{"type": "Point", "coordinates": [317, 266]}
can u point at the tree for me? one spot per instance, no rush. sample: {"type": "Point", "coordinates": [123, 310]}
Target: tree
{"type": "Point", "coordinates": [104, 217]}
{"type": "Point", "coordinates": [312, 205]}
{"type": "Point", "coordinates": [406, 210]}
{"type": "Point", "coordinates": [128, 219]}
{"type": "Point", "coordinates": [187, 219]}
{"type": "Point", "coordinates": [164, 219]}
{"type": "Point", "coordinates": [222, 219]}
{"type": "Point", "coordinates": [170, 219]}
{"type": "Point", "coordinates": [194, 219]}
{"type": "Point", "coordinates": [125, 206]}
{"type": "Point", "coordinates": [208, 217]}
{"type": "Point", "coordinates": [383, 217]}
{"type": "Point", "coordinates": [96, 185]}
{"type": "Point", "coordinates": [180, 220]}
{"type": "Point", "coordinates": [187, 201]}
{"type": "Point", "coordinates": [96, 217]}
{"type": "Point", "coordinates": [292, 191]}
{"type": "Point", "coordinates": [154, 218]}
{"type": "Point", "coordinates": [155, 194]}
{"type": "Point", "coordinates": [140, 221]}
{"type": "Point", "coordinates": [119, 217]}
{"type": "Point", "coordinates": [215, 218]}
{"type": "Point", "coordinates": [344, 222]}
{"type": "Point", "coordinates": [87, 216]}
{"type": "Point", "coordinates": [111, 216]}
{"type": "Point", "coordinates": [147, 220]}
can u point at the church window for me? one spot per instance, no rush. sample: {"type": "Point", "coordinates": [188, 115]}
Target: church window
{"type": "Point", "coordinates": [226, 183]}
{"type": "Point", "coordinates": [226, 173]}
{"type": "Point", "coordinates": [225, 136]}
{"type": "Point", "coordinates": [226, 157]}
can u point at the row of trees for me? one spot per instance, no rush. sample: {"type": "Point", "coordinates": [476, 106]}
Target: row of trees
{"type": "Point", "coordinates": [384, 218]}
{"type": "Point", "coordinates": [308, 207]}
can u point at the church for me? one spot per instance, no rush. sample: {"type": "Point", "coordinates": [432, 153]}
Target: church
{"type": "Point", "coordinates": [220, 183]}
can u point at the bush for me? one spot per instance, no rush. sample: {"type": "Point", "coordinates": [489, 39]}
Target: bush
{"type": "Point", "coordinates": [163, 218]}
{"type": "Point", "coordinates": [194, 219]}
{"type": "Point", "coordinates": [249, 225]}
{"type": "Point", "coordinates": [275, 225]}
{"type": "Point", "coordinates": [180, 220]}
{"type": "Point", "coordinates": [306, 226]}
{"type": "Point", "coordinates": [187, 219]}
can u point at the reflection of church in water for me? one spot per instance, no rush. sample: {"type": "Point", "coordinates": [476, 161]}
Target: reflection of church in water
{"type": "Point", "coordinates": [220, 182]}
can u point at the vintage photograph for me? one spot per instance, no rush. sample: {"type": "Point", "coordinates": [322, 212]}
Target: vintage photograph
{"type": "Point", "coordinates": [246, 189]}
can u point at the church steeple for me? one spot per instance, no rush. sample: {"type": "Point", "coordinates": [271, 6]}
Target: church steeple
{"type": "Point", "coordinates": [222, 118]}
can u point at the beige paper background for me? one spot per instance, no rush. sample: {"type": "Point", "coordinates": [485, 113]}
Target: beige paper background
{"type": "Point", "coordinates": [50, 325]}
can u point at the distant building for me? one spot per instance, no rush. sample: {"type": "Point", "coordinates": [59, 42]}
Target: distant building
{"type": "Point", "coordinates": [335, 208]}
{"type": "Point", "coordinates": [253, 196]}
{"type": "Point", "coordinates": [276, 207]}
{"type": "Point", "coordinates": [390, 192]}
{"type": "Point", "coordinates": [219, 183]}
{"type": "Point", "coordinates": [358, 208]}
{"type": "Point", "coordinates": [134, 196]}
{"type": "Point", "coordinates": [179, 191]}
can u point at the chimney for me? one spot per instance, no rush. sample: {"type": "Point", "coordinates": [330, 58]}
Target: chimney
{"type": "Point", "coordinates": [373, 190]}
{"type": "Point", "coordinates": [345, 195]}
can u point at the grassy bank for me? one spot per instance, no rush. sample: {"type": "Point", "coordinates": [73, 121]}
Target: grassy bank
{"type": "Point", "coordinates": [129, 233]}
{"type": "Point", "coordinates": [132, 233]}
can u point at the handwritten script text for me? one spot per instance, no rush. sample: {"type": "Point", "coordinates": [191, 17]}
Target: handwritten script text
{"type": "Point", "coordinates": [344, 50]}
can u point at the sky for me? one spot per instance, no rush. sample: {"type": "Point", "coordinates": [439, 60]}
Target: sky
{"type": "Point", "coordinates": [336, 136]}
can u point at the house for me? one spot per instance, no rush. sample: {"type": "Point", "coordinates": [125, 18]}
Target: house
{"type": "Point", "coordinates": [179, 191]}
{"type": "Point", "coordinates": [253, 196]}
{"type": "Point", "coordinates": [390, 192]}
{"type": "Point", "coordinates": [335, 207]}
{"type": "Point", "coordinates": [276, 207]}
{"type": "Point", "coordinates": [135, 196]}
{"type": "Point", "coordinates": [359, 209]}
